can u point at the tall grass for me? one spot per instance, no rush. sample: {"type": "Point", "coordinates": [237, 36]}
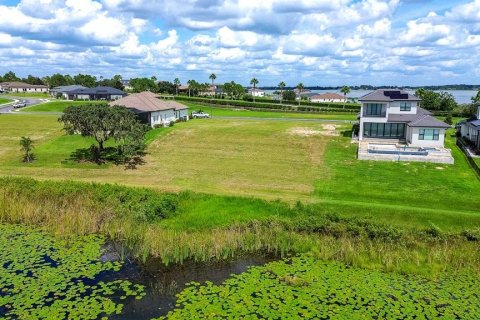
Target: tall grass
{"type": "Point", "coordinates": [135, 217]}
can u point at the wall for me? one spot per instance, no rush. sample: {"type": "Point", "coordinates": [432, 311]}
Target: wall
{"type": "Point", "coordinates": [162, 117]}
{"type": "Point", "coordinates": [394, 108]}
{"type": "Point", "coordinates": [427, 143]}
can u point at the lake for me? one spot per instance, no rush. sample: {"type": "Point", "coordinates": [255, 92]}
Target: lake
{"type": "Point", "coordinates": [461, 96]}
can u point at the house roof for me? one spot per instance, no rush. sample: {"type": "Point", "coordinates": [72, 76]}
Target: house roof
{"type": "Point", "coordinates": [147, 102]}
{"type": "Point", "coordinates": [68, 88]}
{"type": "Point", "coordinates": [309, 94]}
{"type": "Point", "coordinates": [423, 118]}
{"type": "Point", "coordinates": [329, 96]}
{"type": "Point", "coordinates": [98, 90]}
{"type": "Point", "coordinates": [17, 84]}
{"type": "Point", "coordinates": [388, 96]}
{"type": "Point", "coordinates": [475, 123]}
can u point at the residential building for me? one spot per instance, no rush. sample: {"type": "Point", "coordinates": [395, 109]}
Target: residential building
{"type": "Point", "coordinates": [328, 97]}
{"type": "Point", "coordinates": [470, 130]}
{"type": "Point", "coordinates": [153, 110]}
{"type": "Point", "coordinates": [98, 93]}
{"type": "Point", "coordinates": [64, 91]}
{"type": "Point", "coordinates": [394, 127]}
{"type": "Point", "coordinates": [256, 92]}
{"type": "Point", "coordinates": [22, 87]}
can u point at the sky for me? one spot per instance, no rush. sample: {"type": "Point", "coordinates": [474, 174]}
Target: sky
{"type": "Point", "coordinates": [316, 42]}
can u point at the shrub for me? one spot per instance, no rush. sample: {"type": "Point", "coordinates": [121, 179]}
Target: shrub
{"type": "Point", "coordinates": [171, 124]}
{"type": "Point", "coordinates": [158, 125]}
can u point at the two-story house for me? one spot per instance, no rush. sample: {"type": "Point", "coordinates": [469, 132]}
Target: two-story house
{"type": "Point", "coordinates": [396, 115]}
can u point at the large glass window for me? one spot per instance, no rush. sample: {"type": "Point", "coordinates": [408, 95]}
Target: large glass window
{"type": "Point", "coordinates": [429, 134]}
{"type": "Point", "coordinates": [405, 106]}
{"type": "Point", "coordinates": [384, 130]}
{"type": "Point", "coordinates": [373, 109]}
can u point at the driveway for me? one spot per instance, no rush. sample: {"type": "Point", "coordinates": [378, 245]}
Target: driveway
{"type": "Point", "coordinates": [6, 108]}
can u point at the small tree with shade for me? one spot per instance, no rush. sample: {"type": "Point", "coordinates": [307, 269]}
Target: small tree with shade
{"type": "Point", "coordinates": [27, 147]}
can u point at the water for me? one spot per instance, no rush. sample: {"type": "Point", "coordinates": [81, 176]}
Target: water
{"type": "Point", "coordinates": [461, 96]}
{"type": "Point", "coordinates": [162, 283]}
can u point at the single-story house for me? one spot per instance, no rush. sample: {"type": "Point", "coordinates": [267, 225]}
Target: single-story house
{"type": "Point", "coordinates": [97, 93]}
{"type": "Point", "coordinates": [153, 110]}
{"type": "Point", "coordinates": [328, 97]}
{"type": "Point", "coordinates": [22, 87]}
{"type": "Point", "coordinates": [64, 91]}
{"type": "Point", "coordinates": [256, 92]}
{"type": "Point", "coordinates": [470, 130]}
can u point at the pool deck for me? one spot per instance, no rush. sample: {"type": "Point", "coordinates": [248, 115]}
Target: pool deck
{"type": "Point", "coordinates": [440, 155]}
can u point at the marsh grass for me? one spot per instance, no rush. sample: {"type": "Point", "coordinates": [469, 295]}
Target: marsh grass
{"type": "Point", "coordinates": [144, 221]}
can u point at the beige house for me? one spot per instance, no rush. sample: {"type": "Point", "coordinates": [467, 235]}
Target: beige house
{"type": "Point", "coordinates": [328, 97]}
{"type": "Point", "coordinates": [153, 110]}
{"type": "Point", "coordinates": [22, 87]}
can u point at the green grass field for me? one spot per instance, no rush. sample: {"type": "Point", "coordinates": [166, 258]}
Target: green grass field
{"type": "Point", "coordinates": [4, 100]}
{"type": "Point", "coordinates": [28, 94]}
{"type": "Point", "coordinates": [54, 106]}
{"type": "Point", "coordinates": [288, 160]}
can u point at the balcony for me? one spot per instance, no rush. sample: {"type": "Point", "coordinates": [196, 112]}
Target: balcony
{"type": "Point", "coordinates": [369, 114]}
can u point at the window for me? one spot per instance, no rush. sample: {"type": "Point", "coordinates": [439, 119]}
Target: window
{"type": "Point", "coordinates": [429, 134]}
{"type": "Point", "coordinates": [405, 106]}
{"type": "Point", "coordinates": [155, 118]}
{"type": "Point", "coordinates": [373, 109]}
{"type": "Point", "coordinates": [384, 130]}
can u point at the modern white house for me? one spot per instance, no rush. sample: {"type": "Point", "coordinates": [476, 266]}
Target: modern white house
{"type": "Point", "coordinates": [256, 92]}
{"type": "Point", "coordinates": [328, 97]}
{"type": "Point", "coordinates": [394, 127]}
{"type": "Point", "coordinates": [470, 130]}
{"type": "Point", "coordinates": [22, 87]}
{"type": "Point", "coordinates": [153, 110]}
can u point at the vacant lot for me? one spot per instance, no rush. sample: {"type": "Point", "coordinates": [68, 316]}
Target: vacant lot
{"type": "Point", "coordinates": [288, 160]}
{"type": "Point", "coordinates": [4, 100]}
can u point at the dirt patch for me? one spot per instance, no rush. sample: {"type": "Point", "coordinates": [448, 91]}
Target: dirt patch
{"type": "Point", "coordinates": [327, 130]}
{"type": "Point", "coordinates": [440, 168]}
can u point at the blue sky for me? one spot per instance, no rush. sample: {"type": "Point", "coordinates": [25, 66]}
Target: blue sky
{"type": "Point", "coordinates": [317, 42]}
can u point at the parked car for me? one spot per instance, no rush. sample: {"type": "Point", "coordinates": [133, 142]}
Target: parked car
{"type": "Point", "coordinates": [200, 114]}
{"type": "Point", "coordinates": [20, 104]}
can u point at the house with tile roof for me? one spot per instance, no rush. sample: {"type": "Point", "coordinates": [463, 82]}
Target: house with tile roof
{"type": "Point", "coordinates": [153, 110]}
{"type": "Point", "coordinates": [395, 115]}
{"type": "Point", "coordinates": [22, 87]}
{"type": "Point", "coordinates": [328, 97]}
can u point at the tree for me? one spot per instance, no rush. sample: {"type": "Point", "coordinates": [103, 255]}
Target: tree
{"type": "Point", "coordinates": [10, 77]}
{"type": "Point", "coordinates": [165, 87]}
{"type": "Point", "coordinates": [27, 146]}
{"type": "Point", "coordinates": [143, 84]}
{"type": "Point", "coordinates": [86, 80]}
{"type": "Point", "coordinates": [176, 82]}
{"type": "Point", "coordinates": [58, 79]}
{"type": "Point", "coordinates": [254, 82]}
{"type": "Point", "coordinates": [345, 90]}
{"type": "Point", "coordinates": [102, 123]}
{"type": "Point", "coordinates": [281, 86]}
{"type": "Point", "coordinates": [447, 102]}
{"type": "Point", "coordinates": [300, 88]}
{"type": "Point", "coordinates": [33, 80]}
{"type": "Point", "coordinates": [115, 82]}
{"type": "Point", "coordinates": [190, 84]}
{"type": "Point", "coordinates": [289, 95]}
{"type": "Point", "coordinates": [212, 77]}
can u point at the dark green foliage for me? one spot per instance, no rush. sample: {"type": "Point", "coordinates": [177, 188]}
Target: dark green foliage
{"type": "Point", "coordinates": [43, 277]}
{"type": "Point", "coordinates": [436, 101]}
{"type": "Point", "coordinates": [27, 146]}
{"type": "Point", "coordinates": [85, 80]}
{"type": "Point", "coordinates": [305, 288]}
{"type": "Point", "coordinates": [10, 76]}
{"type": "Point", "coordinates": [289, 95]}
{"type": "Point", "coordinates": [102, 123]}
{"type": "Point", "coordinates": [449, 119]}
{"type": "Point", "coordinates": [143, 84]}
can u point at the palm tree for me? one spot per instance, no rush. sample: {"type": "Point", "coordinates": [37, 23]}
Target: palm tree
{"type": "Point", "coordinates": [345, 90]}
{"type": "Point", "coordinates": [212, 77]}
{"type": "Point", "coordinates": [254, 82]}
{"type": "Point", "coordinates": [190, 85]}
{"type": "Point", "coordinates": [300, 88]}
{"type": "Point", "coordinates": [176, 82]}
{"type": "Point", "coordinates": [27, 146]}
{"type": "Point", "coordinates": [281, 86]}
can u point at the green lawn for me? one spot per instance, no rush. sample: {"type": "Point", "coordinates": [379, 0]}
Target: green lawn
{"type": "Point", "coordinates": [28, 95]}
{"type": "Point", "coordinates": [233, 112]}
{"type": "Point", "coordinates": [54, 106]}
{"type": "Point", "coordinates": [263, 159]}
{"type": "Point", "coordinates": [4, 100]}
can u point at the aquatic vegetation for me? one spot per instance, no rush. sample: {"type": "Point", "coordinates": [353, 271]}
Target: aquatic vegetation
{"type": "Point", "coordinates": [306, 288]}
{"type": "Point", "coordinates": [45, 277]}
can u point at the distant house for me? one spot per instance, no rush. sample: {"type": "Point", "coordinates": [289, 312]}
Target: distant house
{"type": "Point", "coordinates": [64, 91]}
{"type": "Point", "coordinates": [256, 92]}
{"type": "Point", "coordinates": [126, 84]}
{"type": "Point", "coordinates": [394, 127]}
{"type": "Point", "coordinates": [98, 93]}
{"type": "Point", "coordinates": [470, 130]}
{"type": "Point", "coordinates": [328, 97]}
{"type": "Point", "coordinates": [22, 87]}
{"type": "Point", "coordinates": [153, 110]}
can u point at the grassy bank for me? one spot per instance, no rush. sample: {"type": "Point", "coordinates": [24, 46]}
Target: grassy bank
{"type": "Point", "coordinates": [4, 100]}
{"type": "Point", "coordinates": [43, 95]}
{"type": "Point", "coordinates": [162, 225]}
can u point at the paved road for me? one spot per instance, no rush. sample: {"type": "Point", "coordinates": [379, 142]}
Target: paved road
{"type": "Point", "coordinates": [6, 108]}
